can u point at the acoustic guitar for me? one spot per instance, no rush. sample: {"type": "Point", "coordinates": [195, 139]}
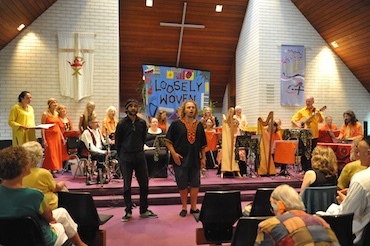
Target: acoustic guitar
{"type": "Point", "coordinates": [303, 121]}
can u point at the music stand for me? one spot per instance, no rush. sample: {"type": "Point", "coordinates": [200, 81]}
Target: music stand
{"type": "Point", "coordinates": [285, 153]}
{"type": "Point", "coordinates": [251, 144]}
{"type": "Point", "coordinates": [160, 144]}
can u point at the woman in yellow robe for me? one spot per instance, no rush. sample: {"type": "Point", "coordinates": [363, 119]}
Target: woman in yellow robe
{"type": "Point", "coordinates": [21, 118]}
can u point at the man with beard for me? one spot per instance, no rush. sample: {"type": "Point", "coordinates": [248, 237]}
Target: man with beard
{"type": "Point", "coordinates": [130, 138]}
{"type": "Point", "coordinates": [308, 117]}
{"type": "Point", "coordinates": [351, 127]}
{"type": "Point", "coordinates": [186, 141]}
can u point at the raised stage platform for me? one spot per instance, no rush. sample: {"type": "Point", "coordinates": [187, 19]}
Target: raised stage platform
{"type": "Point", "coordinates": [163, 191]}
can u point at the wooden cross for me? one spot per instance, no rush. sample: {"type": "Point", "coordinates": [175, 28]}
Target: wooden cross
{"type": "Point", "coordinates": [182, 25]}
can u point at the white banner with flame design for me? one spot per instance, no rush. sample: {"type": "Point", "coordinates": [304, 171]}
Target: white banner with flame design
{"type": "Point", "coordinates": [76, 64]}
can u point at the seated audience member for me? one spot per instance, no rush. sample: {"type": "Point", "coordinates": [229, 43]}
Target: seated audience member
{"type": "Point", "coordinates": [96, 144]}
{"type": "Point", "coordinates": [40, 178]}
{"type": "Point", "coordinates": [329, 126]}
{"type": "Point", "coordinates": [57, 225]}
{"type": "Point", "coordinates": [351, 127]}
{"type": "Point", "coordinates": [162, 120]}
{"type": "Point", "coordinates": [110, 124]}
{"type": "Point", "coordinates": [291, 225]}
{"type": "Point", "coordinates": [351, 168]}
{"type": "Point", "coordinates": [243, 123]}
{"type": "Point", "coordinates": [357, 199]}
{"type": "Point", "coordinates": [207, 114]}
{"type": "Point", "coordinates": [212, 140]}
{"type": "Point", "coordinates": [324, 165]}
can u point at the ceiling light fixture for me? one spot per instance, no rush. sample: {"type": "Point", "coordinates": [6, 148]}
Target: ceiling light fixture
{"type": "Point", "coordinates": [334, 44]}
{"type": "Point", "coordinates": [219, 8]}
{"type": "Point", "coordinates": [149, 3]}
{"type": "Point", "coordinates": [21, 26]}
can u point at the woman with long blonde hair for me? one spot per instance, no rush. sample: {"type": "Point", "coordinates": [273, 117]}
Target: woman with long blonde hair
{"type": "Point", "coordinates": [89, 111]}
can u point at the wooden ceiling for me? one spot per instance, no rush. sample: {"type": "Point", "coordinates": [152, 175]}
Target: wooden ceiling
{"type": "Point", "coordinates": [144, 41]}
{"type": "Point", "coordinates": [346, 22]}
{"type": "Point", "coordinates": [16, 12]}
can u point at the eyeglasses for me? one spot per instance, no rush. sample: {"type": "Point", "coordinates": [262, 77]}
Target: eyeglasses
{"type": "Point", "coordinates": [133, 126]}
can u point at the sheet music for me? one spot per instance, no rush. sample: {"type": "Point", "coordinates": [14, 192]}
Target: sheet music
{"type": "Point", "coordinates": [42, 126]}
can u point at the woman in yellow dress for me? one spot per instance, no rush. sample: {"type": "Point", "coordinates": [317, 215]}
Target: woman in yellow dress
{"type": "Point", "coordinates": [21, 118]}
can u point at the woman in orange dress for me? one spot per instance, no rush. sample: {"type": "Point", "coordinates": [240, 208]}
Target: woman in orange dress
{"type": "Point", "coordinates": [211, 149]}
{"type": "Point", "coordinates": [53, 138]}
{"type": "Point", "coordinates": [65, 125]}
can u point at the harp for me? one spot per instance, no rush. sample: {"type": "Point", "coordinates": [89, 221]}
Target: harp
{"type": "Point", "coordinates": [267, 165]}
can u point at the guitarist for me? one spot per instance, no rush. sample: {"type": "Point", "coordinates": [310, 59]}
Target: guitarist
{"type": "Point", "coordinates": [308, 117]}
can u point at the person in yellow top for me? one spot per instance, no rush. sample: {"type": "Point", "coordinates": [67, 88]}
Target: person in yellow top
{"type": "Point", "coordinates": [21, 118]}
{"type": "Point", "coordinates": [351, 168]}
{"type": "Point", "coordinates": [40, 178]}
{"type": "Point", "coordinates": [311, 117]}
{"type": "Point", "coordinates": [110, 123]}
{"type": "Point", "coordinates": [351, 127]}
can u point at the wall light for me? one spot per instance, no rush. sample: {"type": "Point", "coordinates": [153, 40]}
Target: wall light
{"type": "Point", "coordinates": [219, 8]}
{"type": "Point", "coordinates": [21, 26]}
{"type": "Point", "coordinates": [334, 44]}
{"type": "Point", "coordinates": [149, 3]}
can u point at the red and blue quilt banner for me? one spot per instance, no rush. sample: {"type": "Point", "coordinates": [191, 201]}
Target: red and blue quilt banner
{"type": "Point", "coordinates": [292, 75]}
{"type": "Point", "coordinates": [168, 87]}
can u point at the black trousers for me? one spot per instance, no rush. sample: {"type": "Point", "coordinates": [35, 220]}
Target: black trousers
{"type": "Point", "coordinates": [128, 163]}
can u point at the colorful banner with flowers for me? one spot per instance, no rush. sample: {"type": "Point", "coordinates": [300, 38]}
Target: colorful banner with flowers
{"type": "Point", "coordinates": [168, 87]}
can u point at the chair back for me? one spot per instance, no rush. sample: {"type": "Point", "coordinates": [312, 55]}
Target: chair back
{"type": "Point", "coordinates": [21, 232]}
{"type": "Point", "coordinates": [220, 210]}
{"type": "Point", "coordinates": [246, 231]}
{"type": "Point", "coordinates": [319, 198]}
{"type": "Point", "coordinates": [261, 203]}
{"type": "Point", "coordinates": [341, 224]}
{"type": "Point", "coordinates": [72, 143]}
{"type": "Point", "coordinates": [82, 209]}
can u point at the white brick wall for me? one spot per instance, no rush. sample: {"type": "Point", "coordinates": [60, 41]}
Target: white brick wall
{"type": "Point", "coordinates": [30, 61]}
{"type": "Point", "coordinates": [269, 24]}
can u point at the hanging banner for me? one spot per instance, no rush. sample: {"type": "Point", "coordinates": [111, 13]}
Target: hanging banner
{"type": "Point", "coordinates": [76, 64]}
{"type": "Point", "coordinates": [292, 75]}
{"type": "Point", "coordinates": [168, 87]}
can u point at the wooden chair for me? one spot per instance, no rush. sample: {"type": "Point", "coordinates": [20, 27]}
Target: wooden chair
{"type": "Point", "coordinates": [220, 210]}
{"type": "Point", "coordinates": [81, 207]}
{"type": "Point", "coordinates": [319, 198]}
{"type": "Point", "coordinates": [246, 231]}
{"type": "Point", "coordinates": [341, 224]}
{"type": "Point", "coordinates": [23, 231]}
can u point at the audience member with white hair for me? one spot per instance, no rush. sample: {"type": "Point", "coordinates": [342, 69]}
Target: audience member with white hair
{"type": "Point", "coordinates": [292, 225]}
